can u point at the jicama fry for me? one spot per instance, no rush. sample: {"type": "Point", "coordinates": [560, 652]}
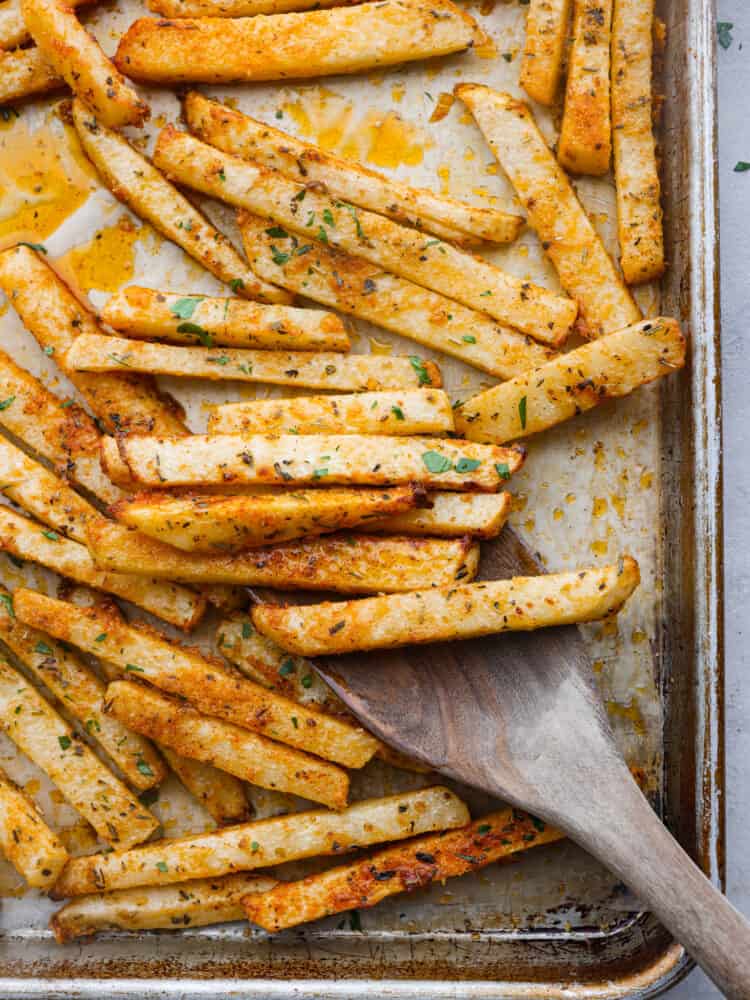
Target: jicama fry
{"type": "Point", "coordinates": [237, 8]}
{"type": "Point", "coordinates": [76, 56]}
{"type": "Point", "coordinates": [58, 430]}
{"type": "Point", "coordinates": [316, 216]}
{"type": "Point", "coordinates": [81, 692]}
{"type": "Point", "coordinates": [541, 63]}
{"type": "Point", "coordinates": [355, 286]}
{"type": "Point", "coordinates": [322, 459]}
{"type": "Point", "coordinates": [27, 540]}
{"type": "Point", "coordinates": [639, 214]}
{"type": "Point", "coordinates": [25, 73]}
{"type": "Point", "coordinates": [206, 523]}
{"type": "Point", "coordinates": [234, 132]}
{"type": "Point", "coordinates": [463, 612]}
{"type": "Point", "coordinates": [136, 182]}
{"type": "Point", "coordinates": [586, 270]}
{"type": "Point", "coordinates": [585, 144]}
{"type": "Point", "coordinates": [244, 754]}
{"type": "Point", "coordinates": [404, 868]}
{"type": "Point", "coordinates": [452, 515]}
{"type": "Point", "coordinates": [221, 794]}
{"type": "Point", "coordinates": [279, 46]}
{"type": "Point", "coordinates": [608, 368]}
{"type": "Point", "coordinates": [354, 372]}
{"type": "Point", "coordinates": [145, 314]}
{"type": "Point", "coordinates": [266, 842]}
{"type": "Point", "coordinates": [415, 411]}
{"type": "Point", "coordinates": [187, 904]}
{"type": "Point", "coordinates": [350, 564]}
{"type": "Point", "coordinates": [93, 791]}
{"type": "Point", "coordinates": [146, 654]}
{"type": "Point", "coordinates": [25, 839]}
{"type": "Point", "coordinates": [56, 318]}
{"type": "Point", "coordinates": [13, 30]}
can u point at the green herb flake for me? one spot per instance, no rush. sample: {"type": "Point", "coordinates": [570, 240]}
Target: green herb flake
{"type": "Point", "coordinates": [319, 473]}
{"type": "Point", "coordinates": [522, 412]}
{"type": "Point", "coordinates": [502, 469]}
{"type": "Point", "coordinates": [184, 308]}
{"type": "Point", "coordinates": [43, 648]}
{"type": "Point", "coordinates": [49, 351]}
{"type": "Point", "coordinates": [322, 235]}
{"type": "Point", "coordinates": [52, 535]}
{"type": "Point", "coordinates": [247, 630]}
{"type": "Point", "coordinates": [278, 233]}
{"type": "Point", "coordinates": [468, 339]}
{"type": "Point", "coordinates": [279, 257]}
{"type": "Point", "coordinates": [467, 464]}
{"type": "Point", "coordinates": [328, 217]}
{"type": "Point", "coordinates": [64, 742]}
{"type": "Point", "coordinates": [724, 33]}
{"type": "Point", "coordinates": [101, 637]}
{"type": "Point", "coordinates": [236, 284]}
{"type": "Point", "coordinates": [5, 403]}
{"type": "Point", "coordinates": [162, 866]}
{"type": "Point", "coordinates": [220, 359]}
{"type": "Point", "coordinates": [295, 722]}
{"type": "Point", "coordinates": [286, 668]}
{"type": "Point", "coordinates": [203, 335]}
{"type": "Point", "coordinates": [398, 413]}
{"type": "Point", "coordinates": [132, 668]}
{"type": "Point", "coordinates": [33, 246]}
{"type": "Point", "coordinates": [435, 462]}
{"type": "Point", "coordinates": [484, 828]}
{"type": "Point", "coordinates": [421, 369]}
{"type": "Point", "coordinates": [254, 846]}
{"type": "Point", "coordinates": [143, 767]}
{"type": "Point", "coordinates": [222, 174]}
{"type": "Point", "coordinates": [306, 681]}
{"type": "Point", "coordinates": [741, 166]}
{"type": "Point", "coordinates": [7, 600]}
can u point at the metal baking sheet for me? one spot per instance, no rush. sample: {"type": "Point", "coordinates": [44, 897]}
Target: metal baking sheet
{"type": "Point", "coordinates": [642, 476]}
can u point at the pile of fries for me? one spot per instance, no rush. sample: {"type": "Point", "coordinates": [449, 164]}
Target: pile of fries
{"type": "Point", "coordinates": [371, 483]}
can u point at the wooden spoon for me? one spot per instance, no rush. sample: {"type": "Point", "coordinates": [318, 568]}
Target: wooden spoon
{"type": "Point", "coordinates": [519, 716]}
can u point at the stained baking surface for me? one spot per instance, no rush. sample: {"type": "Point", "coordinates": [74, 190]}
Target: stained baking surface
{"type": "Point", "coordinates": [590, 489]}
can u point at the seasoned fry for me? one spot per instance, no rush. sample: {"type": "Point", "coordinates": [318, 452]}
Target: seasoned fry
{"type": "Point", "coordinates": [267, 842]}
{"type": "Point", "coordinates": [146, 654]}
{"type": "Point", "coordinates": [225, 746]}
{"type": "Point", "coordinates": [605, 369]}
{"type": "Point", "coordinates": [316, 216]}
{"type": "Point", "coordinates": [350, 564]}
{"type": "Point", "coordinates": [586, 270]}
{"type": "Point", "coordinates": [452, 515]}
{"type": "Point", "coordinates": [145, 314]}
{"type": "Point", "coordinates": [308, 44]}
{"type": "Point", "coordinates": [312, 458]}
{"type": "Point", "coordinates": [79, 689]}
{"type": "Point", "coordinates": [639, 214]}
{"type": "Point", "coordinates": [541, 64]}
{"type": "Point", "coordinates": [187, 904]}
{"type": "Point", "coordinates": [26, 840]}
{"type": "Point", "coordinates": [415, 411]}
{"type": "Point", "coordinates": [13, 30]}
{"type": "Point", "coordinates": [221, 794]}
{"type": "Point", "coordinates": [48, 308]}
{"type": "Point", "coordinates": [404, 868]}
{"type": "Point", "coordinates": [463, 612]}
{"type": "Point", "coordinates": [205, 523]}
{"type": "Point", "coordinates": [93, 352]}
{"type": "Point", "coordinates": [585, 144]}
{"type": "Point", "coordinates": [27, 540]}
{"type": "Point", "coordinates": [76, 56]}
{"type": "Point", "coordinates": [39, 732]}
{"type": "Point", "coordinates": [355, 286]}
{"type": "Point", "coordinates": [58, 430]}
{"type": "Point", "coordinates": [25, 73]}
{"type": "Point", "coordinates": [139, 185]}
{"type": "Point", "coordinates": [237, 8]}
{"type": "Point", "coordinates": [236, 133]}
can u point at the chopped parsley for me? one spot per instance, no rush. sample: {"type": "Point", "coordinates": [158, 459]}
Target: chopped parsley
{"type": "Point", "coordinates": [724, 33]}
{"type": "Point", "coordinates": [43, 648]}
{"type": "Point", "coordinates": [286, 668]}
{"type": "Point", "coordinates": [279, 257]}
{"type": "Point", "coordinates": [236, 284]}
{"type": "Point", "coordinates": [278, 233]}
{"type": "Point", "coordinates": [184, 308]}
{"type": "Point", "coordinates": [398, 413]}
{"type": "Point", "coordinates": [741, 166]}
{"type": "Point", "coordinates": [435, 462]}
{"type": "Point", "coordinates": [203, 335]}
{"type": "Point", "coordinates": [132, 668]}
{"type": "Point", "coordinates": [247, 630]}
{"type": "Point", "coordinates": [64, 742]}
{"type": "Point", "coordinates": [5, 403]}
{"type": "Point", "coordinates": [306, 681]}
{"type": "Point", "coordinates": [162, 866]}
{"type": "Point", "coordinates": [522, 409]}
{"type": "Point", "coordinates": [7, 600]}
{"type": "Point", "coordinates": [421, 369]}
{"type": "Point", "coordinates": [467, 464]}
{"type": "Point", "coordinates": [468, 339]}
{"type": "Point", "coordinates": [502, 469]}
{"type": "Point", "coordinates": [52, 535]}
{"type": "Point", "coordinates": [143, 767]}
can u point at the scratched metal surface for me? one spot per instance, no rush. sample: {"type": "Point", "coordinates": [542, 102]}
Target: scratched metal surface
{"type": "Point", "coordinates": [639, 477]}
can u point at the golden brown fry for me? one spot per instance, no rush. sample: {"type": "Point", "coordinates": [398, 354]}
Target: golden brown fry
{"type": "Point", "coordinates": [315, 216]}
{"type": "Point", "coordinates": [349, 563]}
{"type": "Point", "coordinates": [314, 370]}
{"type": "Point", "coordinates": [237, 8]}
{"type": "Point", "coordinates": [136, 182]}
{"type": "Point", "coordinates": [234, 132]}
{"type": "Point", "coordinates": [26, 840]}
{"type": "Point", "coordinates": [403, 868]}
{"type": "Point", "coordinates": [639, 214]}
{"type": "Point", "coordinates": [146, 654]}
{"type": "Point", "coordinates": [408, 412]}
{"type": "Point", "coordinates": [608, 368]}
{"type": "Point", "coordinates": [267, 842]}
{"type": "Point", "coordinates": [81, 692]}
{"type": "Point", "coordinates": [13, 30]}
{"type": "Point", "coordinates": [27, 540]}
{"type": "Point", "coordinates": [145, 314]}
{"type": "Point", "coordinates": [25, 73]}
{"type": "Point", "coordinates": [318, 459]}
{"type": "Point", "coordinates": [585, 145]}
{"type": "Point", "coordinates": [93, 791]}
{"type": "Point", "coordinates": [308, 44]}
{"type": "Point", "coordinates": [541, 64]}
{"type": "Point", "coordinates": [586, 270]}
{"type": "Point", "coordinates": [464, 612]}
{"type": "Point", "coordinates": [58, 430]}
{"type": "Point", "coordinates": [452, 515]}
{"type": "Point", "coordinates": [76, 56]}
{"type": "Point", "coordinates": [221, 794]}
{"type": "Point", "coordinates": [48, 308]}
{"type": "Point", "coordinates": [244, 754]}
{"type": "Point", "coordinates": [362, 289]}
{"type": "Point", "coordinates": [168, 907]}
{"type": "Point", "coordinates": [206, 523]}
